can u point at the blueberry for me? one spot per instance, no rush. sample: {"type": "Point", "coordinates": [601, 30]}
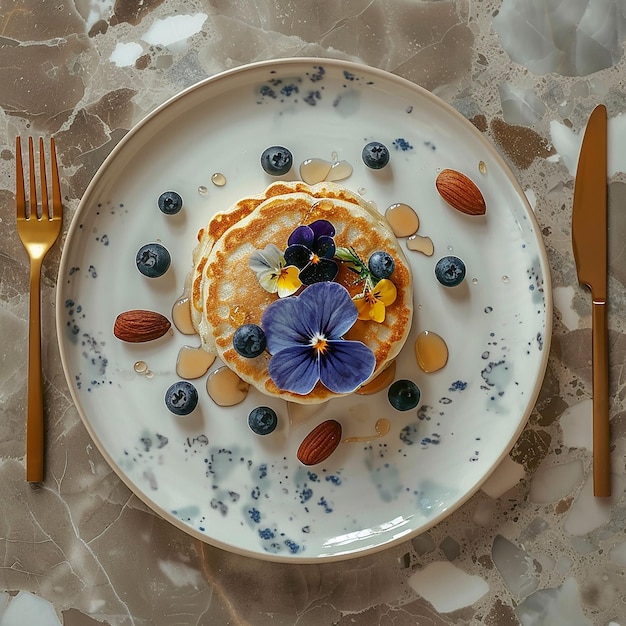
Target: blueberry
{"type": "Point", "coordinates": [262, 420]}
{"type": "Point", "coordinates": [450, 271]}
{"type": "Point", "coordinates": [181, 398]}
{"type": "Point", "coordinates": [375, 155]}
{"type": "Point", "coordinates": [404, 395]}
{"type": "Point", "coordinates": [170, 202]}
{"type": "Point", "coordinates": [276, 160]}
{"type": "Point", "coordinates": [249, 340]}
{"type": "Point", "coordinates": [153, 260]}
{"type": "Point", "coordinates": [381, 264]}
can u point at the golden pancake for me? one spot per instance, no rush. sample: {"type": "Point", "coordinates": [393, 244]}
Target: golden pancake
{"type": "Point", "coordinates": [231, 295]}
{"type": "Point", "coordinates": [222, 221]}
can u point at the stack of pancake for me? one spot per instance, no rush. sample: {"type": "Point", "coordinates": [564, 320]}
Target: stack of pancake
{"type": "Point", "coordinates": [225, 292]}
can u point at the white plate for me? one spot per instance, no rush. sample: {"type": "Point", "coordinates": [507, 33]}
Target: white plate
{"type": "Point", "coordinates": [208, 473]}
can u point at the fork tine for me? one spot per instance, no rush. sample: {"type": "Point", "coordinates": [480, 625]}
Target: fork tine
{"type": "Point", "coordinates": [57, 205]}
{"type": "Point", "coordinates": [20, 194]}
{"type": "Point", "coordinates": [33, 182]}
{"type": "Point", "coordinates": [45, 214]}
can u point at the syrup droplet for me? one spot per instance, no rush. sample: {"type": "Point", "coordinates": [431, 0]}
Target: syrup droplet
{"type": "Point", "coordinates": [402, 219]}
{"type": "Point", "coordinates": [382, 428]}
{"type": "Point", "coordinates": [339, 170]}
{"type": "Point", "coordinates": [141, 367]}
{"type": "Point", "coordinates": [193, 362]}
{"type": "Point", "coordinates": [237, 315]}
{"type": "Point", "coordinates": [431, 351]}
{"type": "Point", "coordinates": [226, 388]}
{"type": "Point", "coordinates": [421, 244]}
{"type": "Point", "coordinates": [314, 170]}
{"type": "Point", "coordinates": [482, 167]}
{"type": "Point", "coordinates": [202, 190]}
{"type": "Point", "coordinates": [383, 380]}
{"type": "Point", "coordinates": [181, 316]}
{"type": "Point", "coordinates": [149, 374]}
{"type": "Point", "coordinates": [218, 179]}
{"type": "Point", "coordinates": [505, 279]}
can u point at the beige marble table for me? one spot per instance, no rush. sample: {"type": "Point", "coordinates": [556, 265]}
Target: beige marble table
{"type": "Point", "coordinates": [533, 546]}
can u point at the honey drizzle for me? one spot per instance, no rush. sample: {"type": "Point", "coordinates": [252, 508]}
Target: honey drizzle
{"type": "Point", "coordinates": [226, 388]}
{"type": "Point", "coordinates": [403, 220]}
{"type": "Point", "coordinates": [431, 351]}
{"type": "Point", "coordinates": [382, 428]}
{"type": "Point", "coordinates": [181, 316]}
{"type": "Point", "coordinates": [193, 362]}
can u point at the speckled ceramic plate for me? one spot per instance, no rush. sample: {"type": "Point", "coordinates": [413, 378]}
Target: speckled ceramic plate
{"type": "Point", "coordinates": [208, 473]}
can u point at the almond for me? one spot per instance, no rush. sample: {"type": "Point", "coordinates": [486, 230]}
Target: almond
{"type": "Point", "coordinates": [460, 192]}
{"type": "Point", "coordinates": [137, 326]}
{"type": "Point", "coordinates": [320, 443]}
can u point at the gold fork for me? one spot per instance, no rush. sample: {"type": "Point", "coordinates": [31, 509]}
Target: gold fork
{"type": "Point", "coordinates": [38, 229]}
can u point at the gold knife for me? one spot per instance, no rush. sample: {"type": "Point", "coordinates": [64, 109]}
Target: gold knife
{"type": "Point", "coordinates": [589, 242]}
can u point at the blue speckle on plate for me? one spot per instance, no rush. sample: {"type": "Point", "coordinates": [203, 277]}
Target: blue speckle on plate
{"type": "Point", "coordinates": [305, 495]}
{"type": "Point", "coordinates": [313, 97]}
{"type": "Point", "coordinates": [293, 547]}
{"type": "Point", "coordinates": [458, 385]}
{"type": "Point", "coordinates": [402, 144]}
{"type": "Point", "coordinates": [255, 515]}
{"type": "Point", "coordinates": [267, 92]}
{"type": "Point", "coordinates": [318, 74]}
{"type": "Point", "coordinates": [325, 505]}
{"type": "Point", "coordinates": [289, 90]}
{"type": "Point", "coordinates": [266, 533]}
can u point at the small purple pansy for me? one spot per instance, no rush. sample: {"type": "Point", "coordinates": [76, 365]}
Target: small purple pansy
{"type": "Point", "coordinates": [311, 249]}
{"type": "Point", "coordinates": [305, 339]}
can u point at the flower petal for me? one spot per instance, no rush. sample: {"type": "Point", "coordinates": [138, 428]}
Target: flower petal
{"type": "Point", "coordinates": [298, 255]}
{"type": "Point", "coordinates": [288, 322]}
{"type": "Point", "coordinates": [346, 365]}
{"type": "Point", "coordinates": [321, 271]}
{"type": "Point", "coordinates": [322, 228]}
{"type": "Point", "coordinates": [269, 258]}
{"type": "Point", "coordinates": [334, 310]}
{"type": "Point", "coordinates": [325, 247]}
{"type": "Point", "coordinates": [268, 279]}
{"type": "Point", "coordinates": [288, 282]}
{"type": "Point", "coordinates": [377, 312]}
{"type": "Point", "coordinates": [302, 235]}
{"type": "Point", "coordinates": [385, 291]}
{"type": "Point", "coordinates": [295, 369]}
{"type": "Point", "coordinates": [374, 311]}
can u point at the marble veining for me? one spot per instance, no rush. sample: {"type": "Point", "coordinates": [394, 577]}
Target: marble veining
{"type": "Point", "coordinates": [533, 547]}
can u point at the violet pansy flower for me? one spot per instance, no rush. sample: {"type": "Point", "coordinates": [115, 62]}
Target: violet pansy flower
{"type": "Point", "coordinates": [305, 338]}
{"type": "Point", "coordinates": [311, 249]}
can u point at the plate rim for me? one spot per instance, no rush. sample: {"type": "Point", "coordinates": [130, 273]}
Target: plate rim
{"type": "Point", "coordinates": [494, 154]}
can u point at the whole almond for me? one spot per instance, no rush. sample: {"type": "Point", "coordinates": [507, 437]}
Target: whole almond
{"type": "Point", "coordinates": [460, 192]}
{"type": "Point", "coordinates": [320, 443]}
{"type": "Point", "coordinates": [137, 326]}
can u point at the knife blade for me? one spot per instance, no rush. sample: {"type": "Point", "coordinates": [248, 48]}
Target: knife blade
{"type": "Point", "coordinates": [589, 243]}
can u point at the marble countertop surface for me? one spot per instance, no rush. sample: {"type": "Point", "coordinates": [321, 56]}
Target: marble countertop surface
{"type": "Point", "coordinates": [533, 546]}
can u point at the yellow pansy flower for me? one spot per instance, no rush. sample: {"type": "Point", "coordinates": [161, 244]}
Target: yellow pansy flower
{"type": "Point", "coordinates": [372, 303]}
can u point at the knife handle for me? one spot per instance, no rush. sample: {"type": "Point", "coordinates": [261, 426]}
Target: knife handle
{"type": "Point", "coordinates": [600, 365]}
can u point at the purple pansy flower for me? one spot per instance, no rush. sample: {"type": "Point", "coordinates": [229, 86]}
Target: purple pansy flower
{"type": "Point", "coordinates": [305, 338]}
{"type": "Point", "coordinates": [311, 249]}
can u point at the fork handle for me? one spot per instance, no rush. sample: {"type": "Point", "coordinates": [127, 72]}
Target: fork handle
{"type": "Point", "coordinates": [34, 415]}
{"type": "Point", "coordinates": [601, 434]}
